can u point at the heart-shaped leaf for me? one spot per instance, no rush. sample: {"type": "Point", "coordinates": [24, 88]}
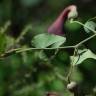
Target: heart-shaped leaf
{"type": "Point", "coordinates": [46, 40]}
{"type": "Point", "coordinates": [83, 55]}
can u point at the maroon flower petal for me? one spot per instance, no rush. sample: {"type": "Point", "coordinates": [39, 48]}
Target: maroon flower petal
{"type": "Point", "coordinates": [58, 25]}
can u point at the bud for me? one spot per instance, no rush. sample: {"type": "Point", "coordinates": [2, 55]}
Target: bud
{"type": "Point", "coordinates": [72, 86]}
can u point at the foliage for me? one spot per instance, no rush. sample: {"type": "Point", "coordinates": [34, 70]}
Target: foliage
{"type": "Point", "coordinates": [36, 63]}
{"type": "Point", "coordinates": [45, 40]}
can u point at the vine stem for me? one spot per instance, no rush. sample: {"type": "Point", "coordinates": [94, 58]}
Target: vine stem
{"type": "Point", "coordinates": [71, 67]}
{"type": "Point", "coordinates": [85, 40]}
{"type": "Point", "coordinates": [28, 49]}
{"type": "Point", "coordinates": [77, 45]}
{"type": "Point", "coordinates": [92, 18]}
{"type": "Point", "coordinates": [18, 50]}
{"type": "Point", "coordinates": [72, 21]}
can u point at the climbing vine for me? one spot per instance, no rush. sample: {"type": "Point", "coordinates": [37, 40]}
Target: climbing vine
{"type": "Point", "coordinates": [46, 41]}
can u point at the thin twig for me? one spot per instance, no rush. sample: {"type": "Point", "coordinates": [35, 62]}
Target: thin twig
{"type": "Point", "coordinates": [5, 27]}
{"type": "Point", "coordinates": [85, 40]}
{"type": "Point", "coordinates": [61, 77]}
{"type": "Point", "coordinates": [71, 66]}
{"type": "Point", "coordinates": [19, 50]}
{"type": "Point", "coordinates": [92, 18]}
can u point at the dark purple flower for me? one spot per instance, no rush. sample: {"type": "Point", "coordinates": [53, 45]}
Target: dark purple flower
{"type": "Point", "coordinates": [58, 25]}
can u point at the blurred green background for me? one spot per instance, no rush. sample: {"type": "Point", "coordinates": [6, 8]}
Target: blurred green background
{"type": "Point", "coordinates": [29, 73]}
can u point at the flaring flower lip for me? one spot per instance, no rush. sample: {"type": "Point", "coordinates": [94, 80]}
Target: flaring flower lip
{"type": "Point", "coordinates": [58, 25]}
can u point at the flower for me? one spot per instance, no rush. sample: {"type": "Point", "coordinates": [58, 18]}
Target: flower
{"type": "Point", "coordinates": [57, 27]}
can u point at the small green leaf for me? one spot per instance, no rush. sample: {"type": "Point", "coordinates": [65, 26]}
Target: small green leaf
{"type": "Point", "coordinates": [46, 40]}
{"type": "Point", "coordinates": [83, 55]}
{"type": "Point", "coordinates": [91, 25]}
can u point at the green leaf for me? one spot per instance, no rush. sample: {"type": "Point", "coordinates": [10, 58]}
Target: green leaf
{"type": "Point", "coordinates": [46, 40]}
{"type": "Point", "coordinates": [57, 44]}
{"type": "Point", "coordinates": [91, 25]}
{"type": "Point", "coordinates": [83, 55]}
